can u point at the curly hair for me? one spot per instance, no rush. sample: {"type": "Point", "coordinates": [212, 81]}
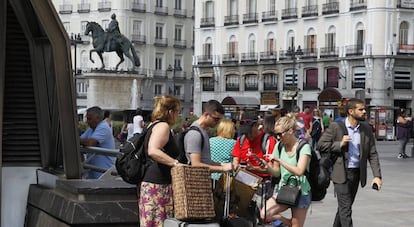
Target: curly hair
{"type": "Point", "coordinates": [162, 106]}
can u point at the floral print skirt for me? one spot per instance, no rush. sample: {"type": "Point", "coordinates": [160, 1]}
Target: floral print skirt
{"type": "Point", "coordinates": [155, 204]}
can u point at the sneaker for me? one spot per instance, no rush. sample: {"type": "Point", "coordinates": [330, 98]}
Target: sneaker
{"type": "Point", "coordinates": [400, 156]}
{"type": "Point", "coordinates": [405, 156]}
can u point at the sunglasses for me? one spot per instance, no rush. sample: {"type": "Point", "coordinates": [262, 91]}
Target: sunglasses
{"type": "Point", "coordinates": [215, 118]}
{"type": "Point", "coordinates": [279, 134]}
{"type": "Point", "coordinates": [247, 122]}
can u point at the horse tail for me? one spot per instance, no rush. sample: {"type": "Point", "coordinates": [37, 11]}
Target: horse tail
{"type": "Point", "coordinates": [136, 58]}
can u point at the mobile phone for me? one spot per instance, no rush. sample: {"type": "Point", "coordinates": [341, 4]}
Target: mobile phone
{"type": "Point", "coordinates": [261, 163]}
{"type": "Point", "coordinates": [375, 186]}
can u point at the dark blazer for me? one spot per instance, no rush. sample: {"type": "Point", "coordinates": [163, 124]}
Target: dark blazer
{"type": "Point", "coordinates": [330, 143]}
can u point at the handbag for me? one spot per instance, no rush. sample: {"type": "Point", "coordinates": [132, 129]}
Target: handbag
{"type": "Point", "coordinates": [289, 194]}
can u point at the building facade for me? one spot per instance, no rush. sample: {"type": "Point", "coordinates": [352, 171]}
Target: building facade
{"type": "Point", "coordinates": [313, 53]}
{"type": "Point", "coordinates": [161, 32]}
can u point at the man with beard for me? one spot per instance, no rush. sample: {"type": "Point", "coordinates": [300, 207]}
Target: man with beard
{"type": "Point", "coordinates": [353, 143]}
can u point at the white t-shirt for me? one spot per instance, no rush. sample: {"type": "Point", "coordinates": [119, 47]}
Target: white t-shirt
{"type": "Point", "coordinates": [130, 129]}
{"type": "Point", "coordinates": [137, 123]}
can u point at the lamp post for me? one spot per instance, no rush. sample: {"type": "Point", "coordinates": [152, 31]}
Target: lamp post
{"type": "Point", "coordinates": [294, 53]}
{"type": "Point", "coordinates": [172, 69]}
{"type": "Point", "coordinates": [74, 41]}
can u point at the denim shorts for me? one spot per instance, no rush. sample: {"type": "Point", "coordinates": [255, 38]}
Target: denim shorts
{"type": "Point", "coordinates": [304, 201]}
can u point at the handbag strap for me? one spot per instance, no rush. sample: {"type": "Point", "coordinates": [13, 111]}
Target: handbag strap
{"type": "Point", "coordinates": [291, 178]}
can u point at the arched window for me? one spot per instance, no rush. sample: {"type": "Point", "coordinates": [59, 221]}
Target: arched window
{"type": "Point", "coordinates": [310, 41]}
{"type": "Point", "coordinates": [252, 44]}
{"type": "Point", "coordinates": [208, 47]}
{"type": "Point", "coordinates": [404, 33]}
{"type": "Point", "coordinates": [270, 44]}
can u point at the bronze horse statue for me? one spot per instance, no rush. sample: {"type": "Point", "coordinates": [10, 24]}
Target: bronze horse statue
{"type": "Point", "coordinates": [120, 44]}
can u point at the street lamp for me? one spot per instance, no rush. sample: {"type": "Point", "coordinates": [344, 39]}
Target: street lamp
{"type": "Point", "coordinates": [74, 41]}
{"type": "Point", "coordinates": [294, 53]}
{"type": "Point", "coordinates": [173, 69]}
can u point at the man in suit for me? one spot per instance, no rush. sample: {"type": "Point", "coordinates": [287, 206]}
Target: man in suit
{"type": "Point", "coordinates": [353, 148]}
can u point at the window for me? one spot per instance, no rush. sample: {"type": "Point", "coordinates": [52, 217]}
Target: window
{"type": "Point", "coordinates": [207, 49]}
{"type": "Point", "coordinates": [158, 61]}
{"type": "Point", "coordinates": [360, 38]}
{"type": "Point", "coordinates": [233, 8]}
{"type": "Point", "coordinates": [251, 83]}
{"type": "Point", "coordinates": [209, 9]}
{"type": "Point", "coordinates": [208, 83]}
{"type": "Point", "coordinates": [251, 6]}
{"type": "Point", "coordinates": [271, 5]}
{"type": "Point", "coordinates": [83, 25]}
{"type": "Point", "coordinates": [311, 79]}
{"type": "Point", "coordinates": [252, 44]}
{"type": "Point", "coordinates": [270, 81]}
{"type": "Point", "coordinates": [178, 32]}
{"type": "Point", "coordinates": [330, 41]}
{"type": "Point", "coordinates": [232, 47]}
{"type": "Point", "coordinates": [84, 59]}
{"type": "Point", "coordinates": [359, 77]}
{"type": "Point", "coordinates": [402, 78]}
{"type": "Point", "coordinates": [310, 44]}
{"type": "Point", "coordinates": [290, 4]}
{"type": "Point", "coordinates": [291, 39]}
{"type": "Point", "coordinates": [178, 4]}
{"type": "Point", "coordinates": [177, 62]}
{"type": "Point", "coordinates": [232, 82]}
{"type": "Point", "coordinates": [403, 33]}
{"type": "Point", "coordinates": [332, 77]}
{"type": "Point", "coordinates": [291, 78]}
{"type": "Point", "coordinates": [136, 27]}
{"type": "Point", "coordinates": [158, 3]}
{"type": "Point", "coordinates": [158, 31]}
{"type": "Point", "coordinates": [158, 89]}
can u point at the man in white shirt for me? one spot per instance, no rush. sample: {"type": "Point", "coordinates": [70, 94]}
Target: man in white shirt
{"type": "Point", "coordinates": [138, 121]}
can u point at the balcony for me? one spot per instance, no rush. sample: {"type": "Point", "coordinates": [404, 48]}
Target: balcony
{"type": "Point", "coordinates": [250, 18]}
{"type": "Point", "coordinates": [269, 16]}
{"type": "Point", "coordinates": [310, 11]}
{"type": "Point", "coordinates": [207, 22]}
{"type": "Point", "coordinates": [354, 50]}
{"type": "Point", "coordinates": [65, 9]}
{"type": "Point", "coordinates": [268, 56]}
{"type": "Point", "coordinates": [84, 8]}
{"type": "Point", "coordinates": [231, 20]}
{"type": "Point", "coordinates": [358, 84]}
{"type": "Point", "coordinates": [402, 4]}
{"type": "Point", "coordinates": [310, 53]}
{"type": "Point", "coordinates": [161, 10]}
{"type": "Point", "coordinates": [179, 74]}
{"type": "Point", "coordinates": [138, 39]}
{"type": "Point", "coordinates": [283, 55]}
{"type": "Point", "coordinates": [249, 57]}
{"type": "Point", "coordinates": [205, 59]}
{"type": "Point", "coordinates": [357, 6]}
{"type": "Point", "coordinates": [104, 6]}
{"type": "Point", "coordinates": [330, 8]}
{"type": "Point", "coordinates": [251, 87]}
{"type": "Point", "coordinates": [232, 87]}
{"type": "Point", "coordinates": [161, 42]}
{"type": "Point", "coordinates": [230, 58]}
{"type": "Point", "coordinates": [138, 7]}
{"type": "Point", "coordinates": [180, 44]}
{"type": "Point", "coordinates": [290, 13]}
{"type": "Point", "coordinates": [329, 52]}
{"type": "Point", "coordinates": [180, 13]}
{"type": "Point", "coordinates": [405, 49]}
{"type": "Point", "coordinates": [160, 74]}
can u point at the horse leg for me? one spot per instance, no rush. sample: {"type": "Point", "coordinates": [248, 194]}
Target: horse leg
{"type": "Point", "coordinates": [126, 52]}
{"type": "Point", "coordinates": [121, 56]}
{"type": "Point", "coordinates": [102, 61]}
{"type": "Point", "coordinates": [90, 55]}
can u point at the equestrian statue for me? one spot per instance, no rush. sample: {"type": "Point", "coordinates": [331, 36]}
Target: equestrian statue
{"type": "Point", "coordinates": [110, 40]}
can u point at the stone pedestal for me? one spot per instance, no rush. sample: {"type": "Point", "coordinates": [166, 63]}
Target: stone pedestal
{"type": "Point", "coordinates": [114, 90]}
{"type": "Point", "coordinates": [83, 203]}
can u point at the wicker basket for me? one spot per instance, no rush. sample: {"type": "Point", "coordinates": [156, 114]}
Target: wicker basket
{"type": "Point", "coordinates": [192, 193]}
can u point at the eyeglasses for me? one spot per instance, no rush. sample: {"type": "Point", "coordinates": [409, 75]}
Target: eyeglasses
{"type": "Point", "coordinates": [216, 119]}
{"type": "Point", "coordinates": [279, 134]}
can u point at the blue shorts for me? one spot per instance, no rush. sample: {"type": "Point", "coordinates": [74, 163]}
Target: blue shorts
{"type": "Point", "coordinates": [304, 201]}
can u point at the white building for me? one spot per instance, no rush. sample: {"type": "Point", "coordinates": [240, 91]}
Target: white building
{"type": "Point", "coordinates": [349, 48]}
{"type": "Point", "coordinates": [162, 34]}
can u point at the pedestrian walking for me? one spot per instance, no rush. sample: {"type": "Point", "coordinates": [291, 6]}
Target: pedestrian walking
{"type": "Point", "coordinates": [404, 127]}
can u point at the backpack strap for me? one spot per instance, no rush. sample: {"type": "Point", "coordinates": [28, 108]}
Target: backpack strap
{"type": "Point", "coordinates": [265, 143]}
{"type": "Point", "coordinates": [343, 127]}
{"type": "Point", "coordinates": [195, 128]}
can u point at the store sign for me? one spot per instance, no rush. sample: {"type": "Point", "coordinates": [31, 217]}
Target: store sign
{"type": "Point", "coordinates": [407, 3]}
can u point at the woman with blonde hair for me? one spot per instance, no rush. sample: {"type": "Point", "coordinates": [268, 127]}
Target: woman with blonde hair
{"type": "Point", "coordinates": [285, 164]}
{"type": "Point", "coordinates": [155, 191]}
{"type": "Point", "coordinates": [222, 144]}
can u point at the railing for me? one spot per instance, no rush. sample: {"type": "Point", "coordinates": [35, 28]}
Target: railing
{"type": "Point", "coordinates": [249, 57]}
{"type": "Point", "coordinates": [327, 52]}
{"type": "Point", "coordinates": [229, 58]}
{"type": "Point", "coordinates": [98, 151]}
{"type": "Point", "coordinates": [267, 55]}
{"type": "Point", "coordinates": [310, 53]}
{"type": "Point", "coordinates": [207, 22]}
{"type": "Point", "coordinates": [353, 50]}
{"type": "Point", "coordinates": [253, 87]}
{"type": "Point", "coordinates": [180, 43]}
{"type": "Point", "coordinates": [158, 73]}
{"type": "Point", "coordinates": [205, 59]}
{"type": "Point", "coordinates": [138, 7]}
{"type": "Point", "coordinates": [139, 39]}
{"type": "Point", "coordinates": [232, 87]}
{"type": "Point", "coordinates": [250, 18]}
{"type": "Point", "coordinates": [406, 49]}
{"type": "Point", "coordinates": [104, 6]}
{"type": "Point", "coordinates": [231, 20]}
{"type": "Point", "coordinates": [161, 42]}
{"type": "Point", "coordinates": [290, 13]}
{"type": "Point", "coordinates": [269, 16]}
{"type": "Point", "coordinates": [310, 11]}
{"type": "Point", "coordinates": [357, 6]}
{"type": "Point", "coordinates": [268, 87]}
{"type": "Point", "coordinates": [330, 8]}
{"type": "Point", "coordinates": [161, 10]}
{"type": "Point", "coordinates": [84, 8]}
{"type": "Point", "coordinates": [65, 9]}
{"type": "Point", "coordinates": [180, 12]}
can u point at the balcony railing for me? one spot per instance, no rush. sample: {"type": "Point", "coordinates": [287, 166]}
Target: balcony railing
{"type": "Point", "coordinates": [290, 13]}
{"type": "Point", "coordinates": [353, 50]}
{"type": "Point", "coordinates": [403, 4]}
{"type": "Point", "coordinates": [310, 53]}
{"type": "Point", "coordinates": [251, 87]}
{"type": "Point", "coordinates": [232, 87]}
{"type": "Point", "coordinates": [180, 74]}
{"type": "Point", "coordinates": [231, 20]}
{"type": "Point", "coordinates": [310, 11]}
{"type": "Point", "coordinates": [138, 7]}
{"type": "Point", "coordinates": [230, 58]}
{"type": "Point", "coordinates": [158, 73]}
{"type": "Point", "coordinates": [268, 56]}
{"type": "Point", "coordinates": [205, 59]}
{"type": "Point", "coordinates": [208, 87]}
{"type": "Point", "coordinates": [180, 13]}
{"type": "Point", "coordinates": [180, 43]}
{"type": "Point", "coordinates": [269, 86]}
{"type": "Point", "coordinates": [357, 6]}
{"type": "Point", "coordinates": [249, 57]}
{"type": "Point", "coordinates": [269, 16]}
{"type": "Point", "coordinates": [330, 8]}
{"type": "Point", "coordinates": [138, 39]}
{"type": "Point", "coordinates": [207, 22]}
{"type": "Point", "coordinates": [104, 6]}
{"type": "Point", "coordinates": [406, 49]}
{"type": "Point", "coordinates": [161, 10]}
{"type": "Point", "coordinates": [84, 8]}
{"type": "Point", "coordinates": [162, 42]}
{"type": "Point", "coordinates": [65, 9]}
{"type": "Point", "coordinates": [250, 18]}
{"type": "Point", "coordinates": [327, 52]}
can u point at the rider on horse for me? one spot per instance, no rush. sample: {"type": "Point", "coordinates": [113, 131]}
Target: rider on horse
{"type": "Point", "coordinates": [112, 31]}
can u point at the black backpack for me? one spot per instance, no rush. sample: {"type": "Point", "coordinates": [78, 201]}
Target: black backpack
{"type": "Point", "coordinates": [179, 140]}
{"type": "Point", "coordinates": [316, 128]}
{"type": "Point", "coordinates": [133, 163]}
{"type": "Point", "coordinates": [318, 174]}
